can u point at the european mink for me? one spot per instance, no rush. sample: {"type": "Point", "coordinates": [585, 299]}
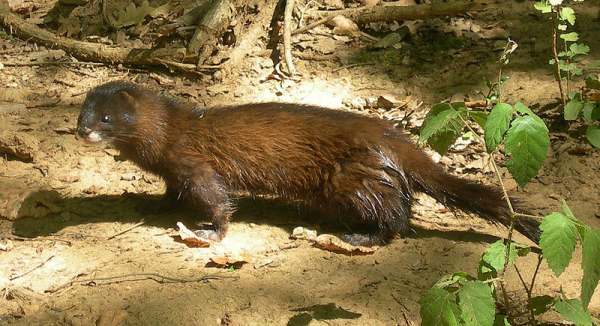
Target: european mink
{"type": "Point", "coordinates": [341, 162]}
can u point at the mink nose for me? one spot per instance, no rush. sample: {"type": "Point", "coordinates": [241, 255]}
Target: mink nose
{"type": "Point", "coordinates": [83, 131]}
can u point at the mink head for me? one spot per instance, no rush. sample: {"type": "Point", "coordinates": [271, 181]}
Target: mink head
{"type": "Point", "coordinates": [108, 112]}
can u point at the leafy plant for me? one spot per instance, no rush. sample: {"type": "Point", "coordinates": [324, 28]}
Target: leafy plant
{"type": "Point", "coordinates": [566, 60]}
{"type": "Point", "coordinates": [463, 299]}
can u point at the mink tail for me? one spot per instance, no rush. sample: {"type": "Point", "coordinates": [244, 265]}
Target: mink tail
{"type": "Point", "coordinates": [487, 201]}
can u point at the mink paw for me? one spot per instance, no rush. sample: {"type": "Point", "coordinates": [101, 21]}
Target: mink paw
{"type": "Point", "coordinates": [211, 235]}
{"type": "Point", "coordinates": [363, 240]}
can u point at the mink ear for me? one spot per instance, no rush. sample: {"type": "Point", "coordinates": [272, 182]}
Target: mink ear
{"type": "Point", "coordinates": [125, 96]}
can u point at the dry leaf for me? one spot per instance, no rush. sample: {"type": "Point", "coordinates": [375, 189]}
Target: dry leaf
{"type": "Point", "coordinates": [304, 233]}
{"type": "Point", "coordinates": [133, 15]}
{"type": "Point", "coordinates": [190, 238]}
{"type": "Point", "coordinates": [235, 260]}
{"type": "Point", "coordinates": [344, 26]}
{"type": "Point", "coordinates": [335, 244]}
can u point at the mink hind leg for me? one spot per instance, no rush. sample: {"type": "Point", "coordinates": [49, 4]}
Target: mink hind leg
{"type": "Point", "coordinates": [381, 197]}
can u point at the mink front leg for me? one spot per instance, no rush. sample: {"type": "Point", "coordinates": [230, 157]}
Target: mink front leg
{"type": "Point", "coordinates": [204, 189]}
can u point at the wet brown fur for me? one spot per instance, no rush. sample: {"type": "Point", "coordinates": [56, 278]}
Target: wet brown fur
{"type": "Point", "coordinates": [326, 158]}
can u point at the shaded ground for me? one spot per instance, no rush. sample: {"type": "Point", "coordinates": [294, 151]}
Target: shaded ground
{"type": "Point", "coordinates": [93, 194]}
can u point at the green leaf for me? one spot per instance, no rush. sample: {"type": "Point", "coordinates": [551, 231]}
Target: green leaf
{"type": "Point", "coordinates": [573, 311]}
{"type": "Point", "coordinates": [437, 118]}
{"type": "Point", "coordinates": [592, 83]}
{"type": "Point", "coordinates": [479, 116]}
{"type": "Point", "coordinates": [570, 37]}
{"type": "Point", "coordinates": [540, 304]}
{"type": "Point", "coordinates": [573, 108]}
{"type": "Point", "coordinates": [492, 260]}
{"type": "Point", "coordinates": [559, 236]}
{"type": "Point", "coordinates": [527, 143]}
{"type": "Point", "coordinates": [501, 320]}
{"type": "Point", "coordinates": [568, 14]}
{"type": "Point", "coordinates": [523, 109]}
{"type": "Point", "coordinates": [543, 6]}
{"type": "Point", "coordinates": [476, 304]}
{"type": "Point", "coordinates": [438, 307]}
{"type": "Point", "coordinates": [497, 124]}
{"type": "Point", "coordinates": [593, 135]}
{"type": "Point", "coordinates": [449, 280]}
{"type": "Point", "coordinates": [591, 112]}
{"type": "Point", "coordinates": [442, 126]}
{"type": "Point", "coordinates": [590, 264]}
{"type": "Point", "coordinates": [578, 48]}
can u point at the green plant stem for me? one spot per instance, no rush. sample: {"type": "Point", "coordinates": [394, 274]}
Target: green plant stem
{"type": "Point", "coordinates": [568, 71]}
{"type": "Point", "coordinates": [532, 320]}
{"type": "Point", "coordinates": [555, 53]}
{"type": "Point", "coordinates": [535, 273]}
{"type": "Point", "coordinates": [512, 219]}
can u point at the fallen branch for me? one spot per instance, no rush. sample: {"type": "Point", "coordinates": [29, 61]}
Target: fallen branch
{"type": "Point", "coordinates": [138, 277]}
{"type": "Point", "coordinates": [85, 51]}
{"type": "Point", "coordinates": [389, 13]}
{"type": "Point", "coordinates": [287, 36]}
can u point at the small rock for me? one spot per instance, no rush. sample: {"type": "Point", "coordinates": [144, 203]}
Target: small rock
{"type": "Point", "coordinates": [129, 177]}
{"type": "Point", "coordinates": [6, 246]}
{"type": "Point", "coordinates": [20, 145]}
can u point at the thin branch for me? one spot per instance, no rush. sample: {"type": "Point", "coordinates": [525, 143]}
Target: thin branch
{"type": "Point", "coordinates": [31, 270]}
{"type": "Point", "coordinates": [314, 24]}
{"type": "Point", "coordinates": [126, 230]}
{"type": "Point", "coordinates": [138, 277]}
{"type": "Point", "coordinates": [52, 63]}
{"type": "Point", "coordinates": [287, 36]}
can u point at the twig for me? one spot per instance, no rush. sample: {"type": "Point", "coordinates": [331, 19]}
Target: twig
{"type": "Point", "coordinates": [126, 230]}
{"type": "Point", "coordinates": [138, 277]}
{"type": "Point", "coordinates": [43, 105]}
{"type": "Point", "coordinates": [187, 67]}
{"type": "Point", "coordinates": [527, 215]}
{"type": "Point", "coordinates": [353, 65]}
{"type": "Point", "coordinates": [554, 52]}
{"type": "Point", "coordinates": [287, 36]}
{"type": "Point", "coordinates": [314, 24]}
{"type": "Point", "coordinates": [52, 63]}
{"type": "Point", "coordinates": [20, 238]}
{"type": "Point", "coordinates": [31, 270]}
{"type": "Point", "coordinates": [404, 310]}
{"type": "Point", "coordinates": [477, 104]}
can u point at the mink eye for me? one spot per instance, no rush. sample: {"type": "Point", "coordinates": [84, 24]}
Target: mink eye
{"type": "Point", "coordinates": [106, 118]}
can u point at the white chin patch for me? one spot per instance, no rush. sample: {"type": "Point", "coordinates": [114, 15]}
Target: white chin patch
{"type": "Point", "coordinates": [94, 137]}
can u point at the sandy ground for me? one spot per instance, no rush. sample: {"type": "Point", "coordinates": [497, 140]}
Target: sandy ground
{"type": "Point", "coordinates": [63, 205]}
